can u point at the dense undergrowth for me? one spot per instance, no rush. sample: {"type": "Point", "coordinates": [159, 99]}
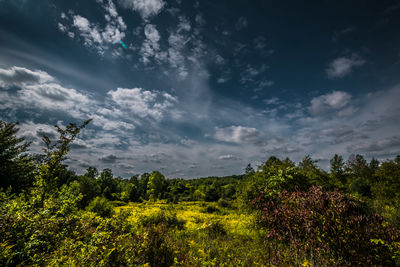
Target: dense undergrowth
{"type": "Point", "coordinates": [282, 214]}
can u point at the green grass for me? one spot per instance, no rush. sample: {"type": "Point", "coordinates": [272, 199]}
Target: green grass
{"type": "Point", "coordinates": [225, 237]}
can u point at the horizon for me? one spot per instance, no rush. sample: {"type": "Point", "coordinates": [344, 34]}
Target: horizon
{"type": "Point", "coordinates": [198, 89]}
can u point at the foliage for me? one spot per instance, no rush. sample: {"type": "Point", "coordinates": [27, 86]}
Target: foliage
{"type": "Point", "coordinates": [161, 218]}
{"type": "Point", "coordinates": [156, 185]}
{"type": "Point", "coordinates": [102, 206]}
{"type": "Point", "coordinates": [210, 209]}
{"type": "Point", "coordinates": [327, 227]}
{"type": "Point", "coordinates": [51, 216]}
{"type": "Point", "coordinates": [214, 229]}
{"type": "Point", "coordinates": [16, 166]}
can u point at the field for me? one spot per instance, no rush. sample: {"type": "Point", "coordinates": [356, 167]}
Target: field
{"type": "Point", "coordinates": [210, 236]}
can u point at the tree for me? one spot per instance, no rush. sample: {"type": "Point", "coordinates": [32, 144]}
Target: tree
{"type": "Point", "coordinates": [92, 173]}
{"type": "Point", "coordinates": [249, 170]}
{"type": "Point", "coordinates": [89, 188]}
{"type": "Point", "coordinates": [107, 183]}
{"type": "Point", "coordinates": [156, 185]}
{"type": "Point", "coordinates": [315, 176]}
{"type": "Point", "coordinates": [142, 186]}
{"type": "Point", "coordinates": [337, 170]}
{"type": "Point", "coordinates": [360, 174]}
{"type": "Point", "coordinates": [55, 153]}
{"type": "Point", "coordinates": [16, 167]}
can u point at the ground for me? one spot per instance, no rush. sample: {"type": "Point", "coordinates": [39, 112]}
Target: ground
{"type": "Point", "coordinates": [211, 235]}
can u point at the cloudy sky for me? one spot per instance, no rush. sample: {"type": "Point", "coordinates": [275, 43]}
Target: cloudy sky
{"type": "Point", "coordinates": [203, 87]}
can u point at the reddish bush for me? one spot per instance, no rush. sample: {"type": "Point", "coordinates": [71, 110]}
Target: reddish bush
{"type": "Point", "coordinates": [327, 228]}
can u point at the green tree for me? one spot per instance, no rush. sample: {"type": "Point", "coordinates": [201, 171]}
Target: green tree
{"type": "Point", "coordinates": [107, 183]}
{"type": "Point", "coordinates": [337, 170]}
{"type": "Point", "coordinates": [92, 172]}
{"type": "Point", "coordinates": [89, 188]}
{"type": "Point", "coordinates": [360, 175]}
{"type": "Point", "coordinates": [16, 166]}
{"type": "Point", "coordinates": [315, 176]}
{"type": "Point", "coordinates": [156, 185]}
{"type": "Point", "coordinates": [142, 186]}
{"type": "Point", "coordinates": [46, 176]}
{"type": "Point", "coordinates": [249, 171]}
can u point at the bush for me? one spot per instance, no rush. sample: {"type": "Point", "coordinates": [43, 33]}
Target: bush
{"type": "Point", "coordinates": [327, 227]}
{"type": "Point", "coordinates": [161, 218]}
{"type": "Point", "coordinates": [210, 209]}
{"type": "Point", "coordinates": [223, 203]}
{"type": "Point", "coordinates": [214, 229]}
{"type": "Point", "coordinates": [118, 203]}
{"type": "Point", "coordinates": [102, 206]}
{"type": "Point", "coordinates": [155, 248]}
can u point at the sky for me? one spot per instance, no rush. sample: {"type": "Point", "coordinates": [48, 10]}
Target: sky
{"type": "Point", "coordinates": [203, 87]}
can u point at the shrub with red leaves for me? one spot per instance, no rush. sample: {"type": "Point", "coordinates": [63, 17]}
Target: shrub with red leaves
{"type": "Point", "coordinates": [328, 228]}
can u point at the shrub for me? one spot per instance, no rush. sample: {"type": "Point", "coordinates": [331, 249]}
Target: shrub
{"type": "Point", "coordinates": [155, 248]}
{"type": "Point", "coordinates": [327, 227]}
{"type": "Point", "coordinates": [168, 220]}
{"type": "Point", "coordinates": [210, 209]}
{"type": "Point", "coordinates": [223, 203]}
{"type": "Point", "coordinates": [214, 229]}
{"type": "Point", "coordinates": [118, 203]}
{"type": "Point", "coordinates": [102, 206]}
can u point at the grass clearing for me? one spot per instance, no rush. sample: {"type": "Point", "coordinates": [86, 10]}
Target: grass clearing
{"type": "Point", "coordinates": [207, 238]}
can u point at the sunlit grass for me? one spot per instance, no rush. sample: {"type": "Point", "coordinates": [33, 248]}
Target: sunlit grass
{"type": "Point", "coordinates": [193, 213]}
{"type": "Point", "coordinates": [242, 245]}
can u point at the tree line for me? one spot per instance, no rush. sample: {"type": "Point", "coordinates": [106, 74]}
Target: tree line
{"type": "Point", "coordinates": [352, 198]}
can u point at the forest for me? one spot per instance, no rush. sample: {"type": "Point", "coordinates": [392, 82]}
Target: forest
{"type": "Point", "coordinates": [280, 213]}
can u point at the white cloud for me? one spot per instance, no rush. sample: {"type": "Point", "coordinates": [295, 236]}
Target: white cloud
{"type": "Point", "coordinates": [184, 24]}
{"type": "Point", "coordinates": [251, 72]}
{"type": "Point", "coordinates": [228, 157]}
{"type": "Point", "coordinates": [146, 8]}
{"type": "Point", "coordinates": [92, 34]}
{"type": "Point", "coordinates": [239, 135]}
{"type": "Point", "coordinates": [343, 66]}
{"type": "Point", "coordinates": [329, 102]}
{"type": "Point", "coordinates": [143, 103]}
{"type": "Point", "coordinates": [54, 96]}
{"type": "Point", "coordinates": [38, 89]}
{"type": "Point", "coordinates": [151, 33]}
{"type": "Point", "coordinates": [17, 76]}
{"type": "Point", "coordinates": [150, 47]}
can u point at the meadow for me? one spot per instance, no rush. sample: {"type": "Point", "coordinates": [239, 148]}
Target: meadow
{"type": "Point", "coordinates": [204, 233]}
{"type": "Point", "coordinates": [282, 214]}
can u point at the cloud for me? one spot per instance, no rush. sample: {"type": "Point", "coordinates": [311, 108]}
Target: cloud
{"type": "Point", "coordinates": [339, 34]}
{"type": "Point", "coordinates": [17, 76]}
{"type": "Point", "coordinates": [92, 34]}
{"type": "Point", "coordinates": [146, 8]}
{"type": "Point", "coordinates": [38, 89]}
{"type": "Point", "coordinates": [228, 157]}
{"type": "Point", "coordinates": [330, 102]}
{"type": "Point", "coordinates": [150, 47]}
{"type": "Point", "coordinates": [109, 159]}
{"type": "Point", "coordinates": [35, 131]}
{"type": "Point", "coordinates": [143, 103]}
{"type": "Point", "coordinates": [384, 144]}
{"type": "Point", "coordinates": [241, 23]}
{"type": "Point", "coordinates": [239, 135]}
{"type": "Point", "coordinates": [343, 66]}
{"type": "Point", "coordinates": [250, 72]}
{"type": "Point", "coordinates": [259, 42]}
{"type": "Point", "coordinates": [52, 96]}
